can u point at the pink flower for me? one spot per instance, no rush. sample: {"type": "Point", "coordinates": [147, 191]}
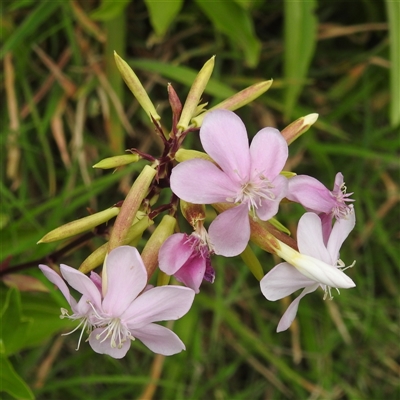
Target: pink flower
{"type": "Point", "coordinates": [121, 312]}
{"type": "Point", "coordinates": [187, 257]}
{"type": "Point", "coordinates": [317, 265]}
{"type": "Point", "coordinates": [246, 177]}
{"type": "Point", "coordinates": [315, 197]}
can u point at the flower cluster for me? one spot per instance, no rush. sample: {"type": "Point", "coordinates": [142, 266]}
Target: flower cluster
{"type": "Point", "coordinates": [244, 182]}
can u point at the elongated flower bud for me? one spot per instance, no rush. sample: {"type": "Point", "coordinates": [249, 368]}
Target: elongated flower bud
{"type": "Point", "coordinates": [298, 127]}
{"type": "Point", "coordinates": [130, 206]}
{"type": "Point", "coordinates": [97, 257]}
{"type": "Point", "coordinates": [150, 252]}
{"type": "Point", "coordinates": [117, 161]}
{"type": "Point", "coordinates": [195, 93]}
{"type": "Point", "coordinates": [136, 87]}
{"type": "Point", "coordinates": [79, 225]}
{"type": "Point", "coordinates": [186, 154]}
{"type": "Point", "coordinates": [236, 101]}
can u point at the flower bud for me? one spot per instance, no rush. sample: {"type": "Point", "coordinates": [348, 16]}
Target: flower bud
{"type": "Point", "coordinates": [195, 93]}
{"type": "Point", "coordinates": [236, 101]}
{"type": "Point", "coordinates": [136, 87]}
{"type": "Point", "coordinates": [130, 207]}
{"type": "Point", "coordinates": [135, 232]}
{"type": "Point", "coordinates": [117, 161]}
{"type": "Point", "coordinates": [80, 225]}
{"type": "Point", "coordinates": [298, 127]}
{"type": "Point", "coordinates": [150, 252]}
{"type": "Point", "coordinates": [185, 154]}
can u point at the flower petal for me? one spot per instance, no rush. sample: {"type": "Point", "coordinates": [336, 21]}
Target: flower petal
{"type": "Point", "coordinates": [192, 273]}
{"type": "Point", "coordinates": [53, 277]}
{"type": "Point", "coordinates": [310, 239]}
{"type": "Point", "coordinates": [162, 303]}
{"type": "Point", "coordinates": [126, 278]}
{"type": "Point", "coordinates": [202, 182]}
{"type": "Point", "coordinates": [283, 280]}
{"type": "Point", "coordinates": [174, 252]}
{"type": "Point", "coordinates": [290, 313]}
{"type": "Point", "coordinates": [104, 347]}
{"type": "Point", "coordinates": [269, 208]}
{"type": "Point", "coordinates": [224, 138]}
{"type": "Point", "coordinates": [311, 194]}
{"type": "Point", "coordinates": [321, 272]}
{"type": "Point", "coordinates": [269, 152]}
{"type": "Point", "coordinates": [341, 229]}
{"type": "Point", "coordinates": [230, 232]}
{"type": "Point", "coordinates": [81, 283]}
{"type": "Point", "coordinates": [159, 339]}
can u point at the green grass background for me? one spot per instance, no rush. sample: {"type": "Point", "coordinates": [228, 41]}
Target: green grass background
{"type": "Point", "coordinates": [65, 107]}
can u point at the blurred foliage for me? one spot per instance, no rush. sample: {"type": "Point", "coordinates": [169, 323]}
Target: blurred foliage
{"type": "Point", "coordinates": [65, 109]}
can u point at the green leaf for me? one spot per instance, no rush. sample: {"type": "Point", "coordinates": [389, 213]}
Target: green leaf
{"type": "Point", "coordinates": [393, 10]}
{"type": "Point", "coordinates": [11, 382]}
{"type": "Point", "coordinates": [235, 22]}
{"type": "Point", "coordinates": [30, 25]}
{"type": "Point", "coordinates": [300, 39]}
{"type": "Point", "coordinates": [15, 327]}
{"type": "Point", "coordinates": [109, 10]}
{"type": "Point", "coordinates": [162, 13]}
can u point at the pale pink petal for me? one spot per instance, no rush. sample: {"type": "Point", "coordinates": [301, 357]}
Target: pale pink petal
{"type": "Point", "coordinates": [161, 303]}
{"type": "Point", "coordinates": [269, 152]}
{"type": "Point", "coordinates": [326, 221]}
{"type": "Point", "coordinates": [224, 138]}
{"type": "Point", "coordinates": [290, 313]}
{"type": "Point", "coordinates": [283, 280]}
{"type": "Point", "coordinates": [53, 277]}
{"type": "Point", "coordinates": [192, 273]}
{"type": "Point", "coordinates": [104, 347]}
{"type": "Point", "coordinates": [126, 278]}
{"type": "Point", "coordinates": [311, 194]}
{"type": "Point", "coordinates": [159, 339]}
{"type": "Point", "coordinates": [174, 252]}
{"type": "Point", "coordinates": [310, 239]}
{"type": "Point", "coordinates": [96, 279]}
{"type": "Point", "coordinates": [202, 182]}
{"type": "Point", "coordinates": [230, 232]}
{"type": "Point", "coordinates": [269, 208]}
{"type": "Point", "coordinates": [339, 180]}
{"type": "Point", "coordinates": [341, 229]}
{"type": "Point", "coordinates": [81, 283]}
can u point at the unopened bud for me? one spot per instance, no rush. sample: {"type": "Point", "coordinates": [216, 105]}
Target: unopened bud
{"type": "Point", "coordinates": [136, 87]}
{"type": "Point", "coordinates": [135, 232]}
{"type": "Point", "coordinates": [117, 161]}
{"type": "Point", "coordinates": [174, 101]}
{"type": "Point", "coordinates": [150, 252]}
{"type": "Point", "coordinates": [236, 101]}
{"type": "Point", "coordinates": [298, 127]}
{"type": "Point", "coordinates": [195, 93]}
{"type": "Point", "coordinates": [130, 207]}
{"type": "Point", "coordinates": [80, 225]}
{"type": "Point", "coordinates": [185, 154]}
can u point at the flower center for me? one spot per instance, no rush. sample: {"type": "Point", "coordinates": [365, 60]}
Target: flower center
{"type": "Point", "coordinates": [254, 192]}
{"type": "Point", "coordinates": [117, 331]}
